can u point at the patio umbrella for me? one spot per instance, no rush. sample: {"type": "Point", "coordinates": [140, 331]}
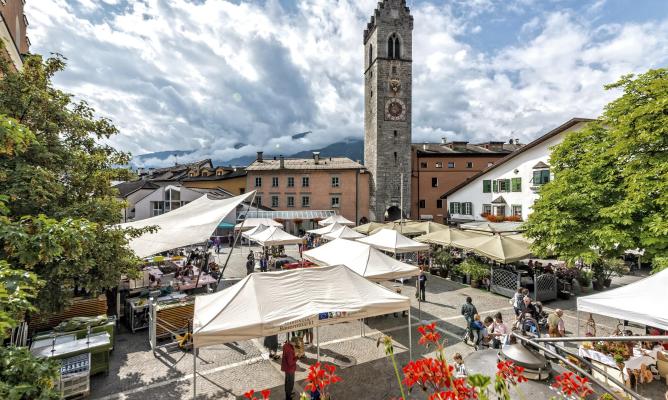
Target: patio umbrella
{"type": "Point", "coordinates": [394, 242]}
{"type": "Point", "coordinates": [367, 228]}
{"type": "Point", "coordinates": [447, 236]}
{"type": "Point", "coordinates": [493, 227]}
{"type": "Point", "coordinates": [412, 228]}
{"type": "Point", "coordinates": [503, 249]}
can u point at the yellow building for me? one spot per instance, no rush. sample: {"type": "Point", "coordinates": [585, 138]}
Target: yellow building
{"type": "Point", "coordinates": [230, 179]}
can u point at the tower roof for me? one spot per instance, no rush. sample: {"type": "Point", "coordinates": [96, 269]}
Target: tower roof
{"type": "Point", "coordinates": [383, 9]}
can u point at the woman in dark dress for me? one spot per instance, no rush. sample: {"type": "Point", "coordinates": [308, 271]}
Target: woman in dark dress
{"type": "Point", "coordinates": [271, 343]}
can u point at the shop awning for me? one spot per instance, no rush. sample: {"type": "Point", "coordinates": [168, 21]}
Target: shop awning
{"type": "Point", "coordinates": [285, 301]}
{"type": "Point", "coordinates": [190, 224]}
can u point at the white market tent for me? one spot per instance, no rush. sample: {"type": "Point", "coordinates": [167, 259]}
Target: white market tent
{"type": "Point", "coordinates": [394, 242]}
{"type": "Point", "coordinates": [327, 229]}
{"type": "Point", "coordinates": [275, 236]}
{"type": "Point", "coordinates": [250, 223]}
{"type": "Point", "coordinates": [190, 224]}
{"type": "Point", "coordinates": [362, 259]}
{"type": "Point", "coordinates": [638, 302]}
{"type": "Point", "coordinates": [255, 230]}
{"type": "Point", "coordinates": [336, 219]}
{"type": "Point", "coordinates": [343, 233]}
{"type": "Point", "coordinates": [309, 298]}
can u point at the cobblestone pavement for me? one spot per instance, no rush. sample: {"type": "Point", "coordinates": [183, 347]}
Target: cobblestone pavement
{"type": "Point", "coordinates": [227, 371]}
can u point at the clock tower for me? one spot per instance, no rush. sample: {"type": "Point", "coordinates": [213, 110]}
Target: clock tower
{"type": "Point", "coordinates": [388, 108]}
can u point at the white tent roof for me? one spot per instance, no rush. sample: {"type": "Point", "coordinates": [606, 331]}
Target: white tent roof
{"type": "Point", "coordinates": [336, 219]}
{"type": "Point", "coordinates": [343, 233]}
{"type": "Point", "coordinates": [638, 302]}
{"type": "Point", "coordinates": [393, 241]}
{"type": "Point", "coordinates": [251, 223]}
{"type": "Point", "coordinates": [254, 231]}
{"type": "Point", "coordinates": [275, 236]}
{"type": "Point", "coordinates": [361, 258]}
{"type": "Point", "coordinates": [327, 229]}
{"type": "Point", "coordinates": [284, 301]}
{"type": "Point", "coordinates": [193, 223]}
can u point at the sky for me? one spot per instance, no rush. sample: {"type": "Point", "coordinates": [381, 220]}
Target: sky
{"type": "Point", "coordinates": [227, 78]}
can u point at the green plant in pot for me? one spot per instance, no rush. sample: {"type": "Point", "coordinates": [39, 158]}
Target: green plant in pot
{"type": "Point", "coordinates": [584, 278]}
{"type": "Point", "coordinates": [442, 263]}
{"type": "Point", "coordinates": [605, 268]}
{"type": "Point", "coordinates": [476, 269]}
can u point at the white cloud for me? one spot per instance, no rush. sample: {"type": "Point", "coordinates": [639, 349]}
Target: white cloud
{"type": "Point", "coordinates": [212, 74]}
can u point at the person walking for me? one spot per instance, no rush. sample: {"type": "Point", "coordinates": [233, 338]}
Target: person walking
{"type": "Point", "coordinates": [250, 263]}
{"type": "Point", "coordinates": [468, 311]}
{"type": "Point", "coordinates": [422, 279]}
{"type": "Point", "coordinates": [289, 366]}
{"type": "Point", "coordinates": [230, 238]}
{"type": "Point", "coordinates": [555, 324]}
{"type": "Point", "coordinates": [216, 243]}
{"type": "Point", "coordinates": [263, 263]}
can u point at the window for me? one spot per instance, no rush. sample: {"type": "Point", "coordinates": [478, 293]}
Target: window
{"type": "Point", "coordinates": [439, 164]}
{"type": "Point", "coordinates": [335, 201]}
{"type": "Point", "coordinates": [395, 158]}
{"type": "Point", "coordinates": [423, 204]}
{"type": "Point", "coordinates": [500, 210]}
{"type": "Point", "coordinates": [274, 201]}
{"type": "Point", "coordinates": [517, 209]}
{"type": "Point", "coordinates": [258, 181]}
{"type": "Point", "coordinates": [451, 164]}
{"type": "Point", "coordinates": [371, 93]}
{"type": "Point", "coordinates": [172, 200]}
{"type": "Point", "coordinates": [454, 208]}
{"type": "Point", "coordinates": [305, 181]}
{"type": "Point", "coordinates": [393, 47]}
{"type": "Point", "coordinates": [291, 201]}
{"type": "Point", "coordinates": [306, 201]}
{"type": "Point", "coordinates": [157, 208]}
{"type": "Point", "coordinates": [434, 182]}
{"type": "Point", "coordinates": [370, 53]}
{"type": "Point", "coordinates": [504, 185]}
{"type": "Point", "coordinates": [423, 164]}
{"type": "Point", "coordinates": [291, 181]}
{"type": "Point", "coordinates": [335, 181]}
{"type": "Point", "coordinates": [541, 176]}
{"type": "Point", "coordinates": [516, 184]}
{"type": "Point", "coordinates": [395, 137]}
{"type": "Point", "coordinates": [467, 208]}
{"type": "Point", "coordinates": [486, 208]}
{"type": "Point", "coordinates": [394, 69]}
{"type": "Point", "coordinates": [469, 164]}
{"type": "Point", "coordinates": [258, 200]}
{"type": "Point", "coordinates": [487, 186]}
{"type": "Point", "coordinates": [242, 190]}
{"type": "Point", "coordinates": [439, 203]}
{"type": "Point", "coordinates": [274, 181]}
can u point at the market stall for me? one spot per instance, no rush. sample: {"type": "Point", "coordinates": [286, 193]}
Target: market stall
{"type": "Point", "coordinates": [326, 229]}
{"type": "Point", "coordinates": [342, 233]}
{"type": "Point", "coordinates": [362, 259]}
{"type": "Point", "coordinates": [446, 236]}
{"type": "Point", "coordinates": [368, 227]}
{"type": "Point", "coordinates": [412, 228]}
{"type": "Point", "coordinates": [275, 236]}
{"type": "Point", "coordinates": [250, 223]}
{"type": "Point", "coordinates": [249, 309]}
{"type": "Point", "coordinates": [393, 242]}
{"type": "Point", "coordinates": [336, 219]}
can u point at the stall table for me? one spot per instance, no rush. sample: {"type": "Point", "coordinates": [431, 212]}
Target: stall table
{"type": "Point", "coordinates": [67, 346]}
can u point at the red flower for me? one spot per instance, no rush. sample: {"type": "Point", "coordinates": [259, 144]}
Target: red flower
{"type": "Point", "coordinates": [265, 394]}
{"type": "Point", "coordinates": [510, 372]}
{"type": "Point", "coordinates": [320, 376]}
{"type": "Point", "coordinates": [428, 334]}
{"type": "Point", "coordinates": [570, 384]}
{"type": "Point", "coordinates": [251, 394]}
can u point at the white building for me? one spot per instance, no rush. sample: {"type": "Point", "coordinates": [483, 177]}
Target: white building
{"type": "Point", "coordinates": [511, 185]}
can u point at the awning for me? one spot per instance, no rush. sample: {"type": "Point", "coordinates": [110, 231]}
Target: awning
{"type": "Point", "coordinates": [190, 224]}
{"type": "Point", "coordinates": [253, 231]}
{"type": "Point", "coordinates": [336, 219]}
{"type": "Point", "coordinates": [327, 229]}
{"type": "Point", "coordinates": [342, 233]}
{"type": "Point", "coordinates": [368, 228]}
{"type": "Point", "coordinates": [275, 236]}
{"type": "Point", "coordinates": [493, 227]}
{"type": "Point", "coordinates": [393, 241]}
{"type": "Point", "coordinates": [250, 223]}
{"type": "Point", "coordinates": [269, 303]}
{"type": "Point", "coordinates": [446, 236]}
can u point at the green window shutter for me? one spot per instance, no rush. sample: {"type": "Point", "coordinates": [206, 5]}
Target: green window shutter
{"type": "Point", "coordinates": [486, 186]}
{"type": "Point", "coordinates": [516, 185]}
{"type": "Point", "coordinates": [536, 177]}
{"type": "Point", "coordinates": [495, 186]}
{"type": "Point", "coordinates": [546, 176]}
{"type": "Point", "coordinates": [507, 185]}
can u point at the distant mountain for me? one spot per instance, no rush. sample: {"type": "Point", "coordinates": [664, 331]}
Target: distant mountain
{"type": "Point", "coordinates": [351, 148]}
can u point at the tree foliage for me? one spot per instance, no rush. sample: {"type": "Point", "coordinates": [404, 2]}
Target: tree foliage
{"type": "Point", "coordinates": [610, 191]}
{"type": "Point", "coordinates": [55, 171]}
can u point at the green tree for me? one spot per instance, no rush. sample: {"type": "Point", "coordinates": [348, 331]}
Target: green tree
{"type": "Point", "coordinates": [610, 191]}
{"type": "Point", "coordinates": [55, 171]}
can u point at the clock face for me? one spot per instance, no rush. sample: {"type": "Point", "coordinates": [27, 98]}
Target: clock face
{"type": "Point", "coordinates": [395, 110]}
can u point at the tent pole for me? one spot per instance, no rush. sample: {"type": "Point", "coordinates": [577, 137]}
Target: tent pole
{"type": "Point", "coordinates": [410, 339]}
{"type": "Point", "coordinates": [362, 327]}
{"type": "Point", "coordinates": [236, 237]}
{"type": "Point", "coordinates": [317, 337]}
{"type": "Point", "coordinates": [578, 317]}
{"type": "Point", "coordinates": [194, 372]}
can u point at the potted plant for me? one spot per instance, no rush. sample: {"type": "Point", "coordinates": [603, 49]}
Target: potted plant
{"type": "Point", "coordinates": [584, 279]}
{"type": "Point", "coordinates": [475, 269]}
{"type": "Point", "coordinates": [605, 268]}
{"type": "Point", "coordinates": [442, 263]}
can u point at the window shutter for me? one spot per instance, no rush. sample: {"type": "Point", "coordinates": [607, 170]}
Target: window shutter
{"type": "Point", "coordinates": [495, 186]}
{"type": "Point", "coordinates": [507, 185]}
{"type": "Point", "coordinates": [516, 184]}
{"type": "Point", "coordinates": [486, 186]}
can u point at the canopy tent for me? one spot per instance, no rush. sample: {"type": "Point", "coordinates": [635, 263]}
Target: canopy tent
{"type": "Point", "coordinates": [253, 231]}
{"type": "Point", "coordinates": [336, 219]}
{"type": "Point", "coordinates": [367, 228]}
{"type": "Point", "coordinates": [361, 258]}
{"type": "Point", "coordinates": [412, 228]}
{"type": "Point", "coordinates": [520, 236]}
{"type": "Point", "coordinates": [343, 233]}
{"type": "Point", "coordinates": [327, 229]}
{"type": "Point", "coordinates": [447, 236]}
{"type": "Point", "coordinates": [190, 224]}
{"type": "Point", "coordinates": [638, 302]}
{"type": "Point", "coordinates": [275, 236]}
{"type": "Point", "coordinates": [503, 249]}
{"type": "Point", "coordinates": [493, 227]}
{"type": "Point", "coordinates": [393, 241]}
{"type": "Point", "coordinates": [309, 297]}
{"type": "Point", "coordinates": [250, 223]}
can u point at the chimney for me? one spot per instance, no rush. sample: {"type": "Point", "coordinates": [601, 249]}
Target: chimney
{"type": "Point", "coordinates": [316, 157]}
{"type": "Point", "coordinates": [281, 162]}
{"type": "Point", "coordinates": [259, 156]}
{"type": "Point", "coordinates": [517, 141]}
{"type": "Point", "coordinates": [444, 140]}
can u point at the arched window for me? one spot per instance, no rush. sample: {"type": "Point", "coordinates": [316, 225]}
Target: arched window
{"type": "Point", "coordinates": [370, 53]}
{"type": "Point", "coordinates": [393, 47]}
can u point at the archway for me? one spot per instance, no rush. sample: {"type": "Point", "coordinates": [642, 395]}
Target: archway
{"type": "Point", "coordinates": [392, 214]}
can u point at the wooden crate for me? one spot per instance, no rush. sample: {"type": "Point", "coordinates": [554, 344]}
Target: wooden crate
{"type": "Point", "coordinates": [80, 307]}
{"type": "Point", "coordinates": [176, 316]}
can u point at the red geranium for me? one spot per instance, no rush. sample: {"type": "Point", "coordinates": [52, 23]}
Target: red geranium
{"type": "Point", "coordinates": [251, 394]}
{"type": "Point", "coordinates": [572, 385]}
{"type": "Point", "coordinates": [428, 334]}
{"type": "Point", "coordinates": [510, 372]}
{"type": "Point", "coordinates": [320, 376]}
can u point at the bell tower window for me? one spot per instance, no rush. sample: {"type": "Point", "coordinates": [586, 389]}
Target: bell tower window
{"type": "Point", "coordinates": [393, 47]}
{"type": "Point", "coordinates": [370, 54]}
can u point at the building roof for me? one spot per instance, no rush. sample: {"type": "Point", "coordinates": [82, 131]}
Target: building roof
{"type": "Point", "coordinates": [240, 172]}
{"type": "Point", "coordinates": [177, 172]}
{"type": "Point", "coordinates": [572, 122]}
{"type": "Point", "coordinates": [305, 164]}
{"type": "Point", "coordinates": [127, 188]}
{"type": "Point", "coordinates": [464, 148]}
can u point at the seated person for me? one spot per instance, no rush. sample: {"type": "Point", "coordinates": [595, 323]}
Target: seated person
{"type": "Point", "coordinates": [527, 308]}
